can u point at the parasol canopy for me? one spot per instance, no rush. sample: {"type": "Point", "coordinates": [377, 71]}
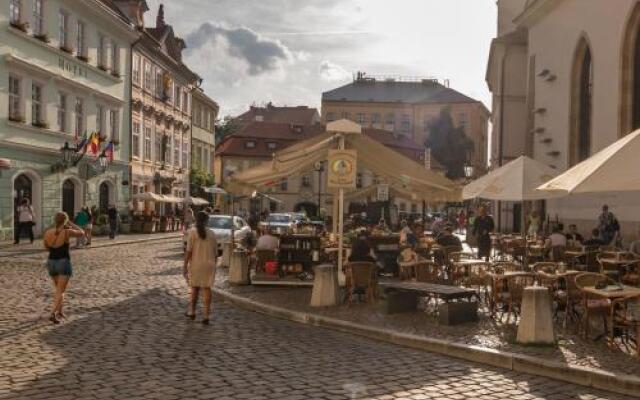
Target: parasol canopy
{"type": "Point", "coordinates": [613, 169]}
{"type": "Point", "coordinates": [517, 180]}
{"type": "Point", "coordinates": [196, 201]}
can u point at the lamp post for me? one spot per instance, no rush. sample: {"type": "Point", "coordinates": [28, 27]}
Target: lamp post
{"type": "Point", "coordinates": [469, 170]}
{"type": "Point", "coordinates": [319, 168]}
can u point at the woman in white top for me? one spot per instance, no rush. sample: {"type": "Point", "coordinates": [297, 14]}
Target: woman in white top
{"type": "Point", "coordinates": [200, 265]}
{"type": "Point", "coordinates": [26, 220]}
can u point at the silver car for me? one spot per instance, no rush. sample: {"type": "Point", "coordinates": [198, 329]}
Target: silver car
{"type": "Point", "coordinates": [221, 226]}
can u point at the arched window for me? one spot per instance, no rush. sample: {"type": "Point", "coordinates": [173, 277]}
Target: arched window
{"type": "Point", "coordinates": [581, 104]}
{"type": "Point", "coordinates": [630, 73]}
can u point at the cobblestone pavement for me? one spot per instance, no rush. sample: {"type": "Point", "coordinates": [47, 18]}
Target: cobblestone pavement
{"type": "Point", "coordinates": [126, 338]}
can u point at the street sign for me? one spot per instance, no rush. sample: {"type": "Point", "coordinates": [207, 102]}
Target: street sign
{"type": "Point", "coordinates": [342, 169]}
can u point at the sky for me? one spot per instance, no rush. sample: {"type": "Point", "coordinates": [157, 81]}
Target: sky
{"type": "Point", "coordinates": [290, 51]}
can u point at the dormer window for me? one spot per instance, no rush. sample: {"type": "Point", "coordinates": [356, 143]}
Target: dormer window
{"type": "Point", "coordinates": [272, 145]}
{"type": "Point", "coordinates": [259, 118]}
{"type": "Point", "coordinates": [250, 144]}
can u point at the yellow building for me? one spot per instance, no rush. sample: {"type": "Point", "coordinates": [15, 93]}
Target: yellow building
{"type": "Point", "coordinates": [406, 107]}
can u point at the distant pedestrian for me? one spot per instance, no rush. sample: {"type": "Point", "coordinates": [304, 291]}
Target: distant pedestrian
{"type": "Point", "coordinates": [56, 241]}
{"type": "Point", "coordinates": [483, 225]}
{"type": "Point", "coordinates": [112, 217]}
{"type": "Point", "coordinates": [189, 218]}
{"type": "Point", "coordinates": [82, 220]}
{"type": "Point", "coordinates": [26, 220]}
{"type": "Point", "coordinates": [462, 221]}
{"type": "Point", "coordinates": [200, 265]}
{"type": "Point", "coordinates": [608, 225]}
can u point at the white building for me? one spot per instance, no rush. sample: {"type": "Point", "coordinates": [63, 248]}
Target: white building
{"type": "Point", "coordinates": [64, 74]}
{"type": "Point", "coordinates": [565, 75]}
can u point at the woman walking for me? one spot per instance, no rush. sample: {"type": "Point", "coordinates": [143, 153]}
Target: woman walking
{"type": "Point", "coordinates": [56, 241]}
{"type": "Point", "coordinates": [200, 265]}
{"type": "Point", "coordinates": [26, 220]}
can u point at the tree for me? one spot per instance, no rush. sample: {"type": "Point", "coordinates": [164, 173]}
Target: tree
{"type": "Point", "coordinates": [225, 127]}
{"type": "Point", "coordinates": [449, 144]}
{"type": "Point", "coordinates": [198, 178]}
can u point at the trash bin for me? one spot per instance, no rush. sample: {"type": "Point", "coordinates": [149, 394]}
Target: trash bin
{"type": "Point", "coordinates": [239, 268]}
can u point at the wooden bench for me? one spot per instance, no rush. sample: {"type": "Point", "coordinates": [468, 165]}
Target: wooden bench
{"type": "Point", "coordinates": [403, 297]}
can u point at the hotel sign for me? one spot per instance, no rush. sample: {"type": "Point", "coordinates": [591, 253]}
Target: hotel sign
{"type": "Point", "coordinates": [342, 169]}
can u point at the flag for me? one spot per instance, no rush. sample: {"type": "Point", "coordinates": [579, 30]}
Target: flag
{"type": "Point", "coordinates": [94, 144]}
{"type": "Point", "coordinates": [82, 146]}
{"type": "Point", "coordinates": [108, 151]}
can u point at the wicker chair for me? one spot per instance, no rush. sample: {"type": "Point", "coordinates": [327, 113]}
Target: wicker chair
{"type": "Point", "coordinates": [631, 276]}
{"type": "Point", "coordinates": [546, 274]}
{"type": "Point", "coordinates": [557, 253]}
{"type": "Point", "coordinates": [361, 277]}
{"type": "Point", "coordinates": [515, 289]}
{"type": "Point", "coordinates": [429, 272]}
{"type": "Point", "coordinates": [505, 266]}
{"type": "Point", "coordinates": [568, 299]}
{"type": "Point", "coordinates": [588, 262]}
{"type": "Point", "coordinates": [592, 304]}
{"type": "Point", "coordinates": [625, 316]}
{"type": "Point", "coordinates": [477, 277]}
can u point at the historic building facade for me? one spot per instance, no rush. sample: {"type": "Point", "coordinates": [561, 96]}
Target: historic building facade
{"type": "Point", "coordinates": [564, 75]}
{"type": "Point", "coordinates": [161, 109]}
{"type": "Point", "coordinates": [64, 77]}
{"type": "Point", "coordinates": [204, 113]}
{"type": "Point", "coordinates": [406, 107]}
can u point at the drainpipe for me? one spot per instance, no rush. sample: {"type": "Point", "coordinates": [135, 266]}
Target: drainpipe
{"type": "Point", "coordinates": [501, 125]}
{"type": "Point", "coordinates": [130, 167]}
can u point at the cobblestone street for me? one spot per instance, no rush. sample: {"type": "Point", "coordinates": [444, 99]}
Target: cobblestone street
{"type": "Point", "coordinates": [126, 338]}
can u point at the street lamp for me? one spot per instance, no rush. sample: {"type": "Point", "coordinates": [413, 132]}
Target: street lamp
{"type": "Point", "coordinates": [468, 170]}
{"type": "Point", "coordinates": [319, 168]}
{"type": "Point", "coordinates": [67, 153]}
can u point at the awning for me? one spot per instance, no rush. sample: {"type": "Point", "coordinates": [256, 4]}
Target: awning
{"type": "Point", "coordinates": [398, 169]}
{"type": "Point", "coordinates": [196, 201]}
{"type": "Point", "coordinates": [148, 196]}
{"type": "Point", "coordinates": [169, 198]}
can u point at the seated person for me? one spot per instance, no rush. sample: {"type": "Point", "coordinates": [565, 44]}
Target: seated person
{"type": "Point", "coordinates": [268, 242]}
{"type": "Point", "coordinates": [594, 242]}
{"type": "Point", "coordinates": [404, 232]}
{"type": "Point", "coordinates": [408, 255]}
{"type": "Point", "coordinates": [574, 236]}
{"type": "Point", "coordinates": [447, 238]}
{"type": "Point", "coordinates": [634, 247]}
{"type": "Point", "coordinates": [361, 250]}
{"type": "Point", "coordinates": [556, 238]}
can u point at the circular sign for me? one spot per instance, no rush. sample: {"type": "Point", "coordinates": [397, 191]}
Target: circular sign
{"type": "Point", "coordinates": [342, 167]}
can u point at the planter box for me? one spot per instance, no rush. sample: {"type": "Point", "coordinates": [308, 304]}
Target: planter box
{"type": "Point", "coordinates": [149, 227]}
{"type": "Point", "coordinates": [136, 226]}
{"type": "Point", "coordinates": [125, 228]}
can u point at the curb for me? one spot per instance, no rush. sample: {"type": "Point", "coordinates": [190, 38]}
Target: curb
{"type": "Point", "coordinates": [617, 383]}
{"type": "Point", "coordinates": [94, 246]}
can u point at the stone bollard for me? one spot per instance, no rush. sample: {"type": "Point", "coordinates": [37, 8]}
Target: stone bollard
{"type": "Point", "coordinates": [326, 292]}
{"type": "Point", "coordinates": [239, 268]}
{"type": "Point", "coordinates": [536, 322]}
{"type": "Point", "coordinates": [226, 254]}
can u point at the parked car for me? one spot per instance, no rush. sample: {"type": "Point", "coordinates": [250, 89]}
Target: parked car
{"type": "Point", "coordinates": [221, 227]}
{"type": "Point", "coordinates": [280, 223]}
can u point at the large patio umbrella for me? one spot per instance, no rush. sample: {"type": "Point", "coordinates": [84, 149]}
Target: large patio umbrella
{"type": "Point", "coordinates": [613, 169]}
{"type": "Point", "coordinates": [196, 201]}
{"type": "Point", "coordinates": [517, 180]}
{"type": "Point", "coordinates": [148, 196]}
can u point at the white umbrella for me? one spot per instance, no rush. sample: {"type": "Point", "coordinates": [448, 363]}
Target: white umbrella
{"type": "Point", "coordinates": [148, 196]}
{"type": "Point", "coordinates": [196, 201]}
{"type": "Point", "coordinates": [613, 169]}
{"type": "Point", "coordinates": [169, 198]}
{"type": "Point", "coordinates": [514, 181]}
{"type": "Point", "coordinates": [214, 190]}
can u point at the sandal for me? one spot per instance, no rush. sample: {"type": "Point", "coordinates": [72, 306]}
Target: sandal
{"type": "Point", "coordinates": [53, 319]}
{"type": "Point", "coordinates": [61, 315]}
{"type": "Point", "coordinates": [190, 316]}
{"type": "Point", "coordinates": [205, 321]}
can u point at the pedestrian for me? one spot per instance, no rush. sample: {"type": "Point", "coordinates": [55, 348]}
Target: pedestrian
{"type": "Point", "coordinates": [26, 220]}
{"type": "Point", "coordinates": [82, 220]}
{"type": "Point", "coordinates": [200, 265]}
{"type": "Point", "coordinates": [483, 225]}
{"type": "Point", "coordinates": [534, 224]}
{"type": "Point", "coordinates": [112, 216]}
{"type": "Point", "coordinates": [462, 221]}
{"type": "Point", "coordinates": [56, 241]}
{"type": "Point", "coordinates": [88, 228]}
{"type": "Point", "coordinates": [608, 225]}
{"type": "Point", "coordinates": [188, 218]}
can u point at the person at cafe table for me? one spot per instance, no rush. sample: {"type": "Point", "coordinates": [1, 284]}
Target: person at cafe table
{"type": "Point", "coordinates": [573, 237]}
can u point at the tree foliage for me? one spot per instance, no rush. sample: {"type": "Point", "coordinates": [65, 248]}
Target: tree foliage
{"type": "Point", "coordinates": [449, 144]}
{"type": "Point", "coordinates": [198, 178]}
{"type": "Point", "coordinates": [225, 127]}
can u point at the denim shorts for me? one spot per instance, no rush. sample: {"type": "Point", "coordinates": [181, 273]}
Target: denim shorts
{"type": "Point", "coordinates": [60, 267]}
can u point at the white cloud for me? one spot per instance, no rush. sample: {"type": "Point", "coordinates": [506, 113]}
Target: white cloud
{"type": "Point", "coordinates": [332, 72]}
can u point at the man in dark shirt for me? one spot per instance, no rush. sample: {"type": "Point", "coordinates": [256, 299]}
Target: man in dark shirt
{"type": "Point", "coordinates": [483, 225]}
{"type": "Point", "coordinates": [594, 242]}
{"type": "Point", "coordinates": [573, 235]}
{"type": "Point", "coordinates": [447, 238]}
{"type": "Point", "coordinates": [112, 216]}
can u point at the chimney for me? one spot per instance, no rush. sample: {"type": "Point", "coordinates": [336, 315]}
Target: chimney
{"type": "Point", "coordinates": [160, 18]}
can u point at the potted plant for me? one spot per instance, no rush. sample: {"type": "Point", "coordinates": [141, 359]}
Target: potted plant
{"type": "Point", "coordinates": [83, 58]}
{"type": "Point", "coordinates": [17, 118]}
{"type": "Point", "coordinates": [103, 68]}
{"type": "Point", "coordinates": [125, 224]}
{"type": "Point", "coordinates": [20, 25]}
{"type": "Point", "coordinates": [40, 124]}
{"type": "Point", "coordinates": [100, 225]}
{"type": "Point", "coordinates": [43, 37]}
{"type": "Point", "coordinates": [66, 49]}
{"type": "Point", "coordinates": [115, 74]}
{"type": "Point", "coordinates": [149, 224]}
{"type": "Point", "coordinates": [136, 224]}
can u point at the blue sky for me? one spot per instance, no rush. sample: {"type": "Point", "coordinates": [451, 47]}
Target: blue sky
{"type": "Point", "coordinates": [290, 51]}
